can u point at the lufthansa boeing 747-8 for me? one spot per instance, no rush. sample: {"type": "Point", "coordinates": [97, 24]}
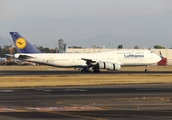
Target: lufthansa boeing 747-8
{"type": "Point", "coordinates": [110, 60]}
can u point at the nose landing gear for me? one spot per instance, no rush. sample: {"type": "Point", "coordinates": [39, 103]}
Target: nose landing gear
{"type": "Point", "coordinates": [146, 68]}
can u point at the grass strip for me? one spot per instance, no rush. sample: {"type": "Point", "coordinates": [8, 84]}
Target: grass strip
{"type": "Point", "coordinates": [80, 80]}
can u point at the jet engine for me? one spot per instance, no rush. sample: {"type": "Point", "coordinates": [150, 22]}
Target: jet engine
{"type": "Point", "coordinates": [109, 66]}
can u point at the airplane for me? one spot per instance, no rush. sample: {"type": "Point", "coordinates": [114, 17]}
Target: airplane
{"type": "Point", "coordinates": [110, 60]}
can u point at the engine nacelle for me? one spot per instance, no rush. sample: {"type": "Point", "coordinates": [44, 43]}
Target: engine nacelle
{"type": "Point", "coordinates": [109, 66]}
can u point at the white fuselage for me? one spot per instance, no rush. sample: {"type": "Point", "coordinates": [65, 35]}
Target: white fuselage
{"type": "Point", "coordinates": [122, 57]}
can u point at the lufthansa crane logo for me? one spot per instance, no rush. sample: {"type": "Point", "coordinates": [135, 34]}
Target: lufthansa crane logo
{"type": "Point", "coordinates": [20, 43]}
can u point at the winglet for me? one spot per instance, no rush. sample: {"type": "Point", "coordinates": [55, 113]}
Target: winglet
{"type": "Point", "coordinates": [22, 45]}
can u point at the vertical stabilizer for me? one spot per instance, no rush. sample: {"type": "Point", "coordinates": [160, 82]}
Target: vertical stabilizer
{"type": "Point", "coordinates": [22, 45]}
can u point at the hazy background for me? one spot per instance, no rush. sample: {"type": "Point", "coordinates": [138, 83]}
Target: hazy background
{"type": "Point", "coordinates": [88, 22]}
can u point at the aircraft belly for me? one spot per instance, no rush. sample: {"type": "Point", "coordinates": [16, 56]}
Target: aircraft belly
{"type": "Point", "coordinates": [68, 63]}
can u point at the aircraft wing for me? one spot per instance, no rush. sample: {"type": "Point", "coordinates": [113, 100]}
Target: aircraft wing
{"type": "Point", "coordinates": [23, 57]}
{"type": "Point", "coordinates": [89, 61]}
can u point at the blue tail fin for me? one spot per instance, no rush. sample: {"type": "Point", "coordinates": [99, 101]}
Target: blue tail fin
{"type": "Point", "coordinates": [22, 45]}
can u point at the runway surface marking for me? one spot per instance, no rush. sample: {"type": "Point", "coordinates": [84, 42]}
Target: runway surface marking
{"type": "Point", "coordinates": [3, 91]}
{"type": "Point", "coordinates": [64, 90]}
{"type": "Point", "coordinates": [46, 109]}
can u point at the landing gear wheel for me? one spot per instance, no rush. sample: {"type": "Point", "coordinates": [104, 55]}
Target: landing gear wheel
{"type": "Point", "coordinates": [85, 70]}
{"type": "Point", "coordinates": [146, 70]}
{"type": "Point", "coordinates": [96, 71]}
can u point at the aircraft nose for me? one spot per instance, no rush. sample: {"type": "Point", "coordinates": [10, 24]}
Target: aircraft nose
{"type": "Point", "coordinates": [158, 58]}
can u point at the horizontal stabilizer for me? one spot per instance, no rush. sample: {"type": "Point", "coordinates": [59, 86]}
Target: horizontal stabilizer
{"type": "Point", "coordinates": [10, 55]}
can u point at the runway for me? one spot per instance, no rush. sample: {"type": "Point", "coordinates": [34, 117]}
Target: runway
{"type": "Point", "coordinates": [59, 72]}
{"type": "Point", "coordinates": [119, 102]}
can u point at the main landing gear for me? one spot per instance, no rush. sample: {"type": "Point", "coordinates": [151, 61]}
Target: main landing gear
{"type": "Point", "coordinates": [96, 70]}
{"type": "Point", "coordinates": [87, 70]}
